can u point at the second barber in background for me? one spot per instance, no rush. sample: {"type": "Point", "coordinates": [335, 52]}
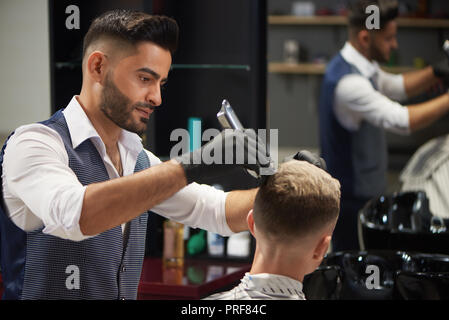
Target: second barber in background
{"type": "Point", "coordinates": [359, 101]}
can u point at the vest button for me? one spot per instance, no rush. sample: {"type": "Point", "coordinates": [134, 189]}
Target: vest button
{"type": "Point", "coordinates": [123, 268]}
{"type": "Point", "coordinates": [122, 298]}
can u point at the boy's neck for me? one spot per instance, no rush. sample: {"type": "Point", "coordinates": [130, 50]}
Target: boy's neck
{"type": "Point", "coordinates": [278, 262]}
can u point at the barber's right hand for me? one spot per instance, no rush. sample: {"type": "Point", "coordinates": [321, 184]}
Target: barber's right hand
{"type": "Point", "coordinates": [223, 153]}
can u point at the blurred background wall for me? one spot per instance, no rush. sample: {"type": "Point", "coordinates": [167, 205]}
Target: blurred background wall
{"type": "Point", "coordinates": [24, 63]}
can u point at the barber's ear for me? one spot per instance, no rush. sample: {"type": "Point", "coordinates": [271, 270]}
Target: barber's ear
{"type": "Point", "coordinates": [250, 221]}
{"type": "Point", "coordinates": [364, 38]}
{"type": "Point", "coordinates": [96, 66]}
{"type": "Point", "coordinates": [321, 248]}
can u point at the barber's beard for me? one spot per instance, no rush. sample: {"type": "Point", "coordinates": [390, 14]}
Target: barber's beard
{"type": "Point", "coordinates": [117, 107]}
{"type": "Point", "coordinates": [377, 55]}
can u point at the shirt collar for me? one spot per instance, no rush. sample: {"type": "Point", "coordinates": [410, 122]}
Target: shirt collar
{"type": "Point", "coordinates": [354, 57]}
{"type": "Point", "coordinates": [81, 129]}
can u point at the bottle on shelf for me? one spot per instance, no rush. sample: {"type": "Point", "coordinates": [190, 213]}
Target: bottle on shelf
{"type": "Point", "coordinates": [239, 245]}
{"type": "Point", "coordinates": [215, 245]}
{"type": "Point", "coordinates": [173, 252]}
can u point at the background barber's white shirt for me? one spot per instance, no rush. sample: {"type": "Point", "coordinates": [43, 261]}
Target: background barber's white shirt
{"type": "Point", "coordinates": [40, 189]}
{"type": "Point", "coordinates": [356, 99]}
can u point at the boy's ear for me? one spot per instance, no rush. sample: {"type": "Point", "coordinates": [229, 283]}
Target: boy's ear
{"type": "Point", "coordinates": [250, 221]}
{"type": "Point", "coordinates": [322, 247]}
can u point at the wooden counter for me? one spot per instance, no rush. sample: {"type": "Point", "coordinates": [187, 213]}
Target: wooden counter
{"type": "Point", "coordinates": [195, 280]}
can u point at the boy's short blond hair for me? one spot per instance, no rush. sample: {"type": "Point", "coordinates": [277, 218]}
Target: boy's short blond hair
{"type": "Point", "coordinates": [296, 201]}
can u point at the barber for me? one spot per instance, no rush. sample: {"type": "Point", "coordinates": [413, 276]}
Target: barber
{"type": "Point", "coordinates": [359, 101]}
{"type": "Point", "coordinates": [77, 187]}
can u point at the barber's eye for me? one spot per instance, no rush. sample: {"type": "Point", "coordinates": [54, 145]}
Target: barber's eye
{"type": "Point", "coordinates": [144, 79]}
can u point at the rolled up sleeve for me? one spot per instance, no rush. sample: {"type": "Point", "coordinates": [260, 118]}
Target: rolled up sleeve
{"type": "Point", "coordinates": [356, 100]}
{"type": "Point", "coordinates": [41, 185]}
{"type": "Point", "coordinates": [198, 206]}
{"type": "Point", "coordinates": [392, 85]}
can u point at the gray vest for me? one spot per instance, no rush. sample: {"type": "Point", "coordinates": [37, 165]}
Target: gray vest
{"type": "Point", "coordinates": [108, 266]}
{"type": "Point", "coordinates": [358, 159]}
{"type": "Point", "coordinates": [369, 158]}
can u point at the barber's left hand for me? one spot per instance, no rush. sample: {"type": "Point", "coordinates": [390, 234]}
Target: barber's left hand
{"type": "Point", "coordinates": [441, 70]}
{"type": "Point", "coordinates": [305, 155]}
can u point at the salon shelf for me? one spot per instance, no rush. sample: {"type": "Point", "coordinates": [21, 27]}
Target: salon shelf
{"type": "Point", "coordinates": [306, 20]}
{"type": "Point", "coordinates": [68, 64]}
{"type": "Point", "coordinates": [196, 279]}
{"type": "Point", "coordinates": [212, 66]}
{"type": "Point", "coordinates": [342, 21]}
{"type": "Point", "coordinates": [244, 67]}
{"type": "Point", "coordinates": [318, 68]}
{"type": "Point", "coordinates": [296, 68]}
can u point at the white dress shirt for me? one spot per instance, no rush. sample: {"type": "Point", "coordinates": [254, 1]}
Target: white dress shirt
{"type": "Point", "coordinates": [356, 99]}
{"type": "Point", "coordinates": [263, 286]}
{"type": "Point", "coordinates": [40, 189]}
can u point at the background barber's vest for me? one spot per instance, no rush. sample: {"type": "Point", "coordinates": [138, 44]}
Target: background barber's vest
{"type": "Point", "coordinates": [358, 159]}
{"type": "Point", "coordinates": [40, 266]}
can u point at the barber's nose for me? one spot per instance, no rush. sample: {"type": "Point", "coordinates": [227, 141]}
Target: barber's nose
{"type": "Point", "coordinates": [395, 44]}
{"type": "Point", "coordinates": [154, 97]}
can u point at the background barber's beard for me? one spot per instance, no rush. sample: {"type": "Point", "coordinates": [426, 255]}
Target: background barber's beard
{"type": "Point", "coordinates": [377, 55]}
{"type": "Point", "coordinates": [117, 107]}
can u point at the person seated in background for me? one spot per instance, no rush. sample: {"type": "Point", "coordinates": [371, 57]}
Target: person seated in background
{"type": "Point", "coordinates": [295, 212]}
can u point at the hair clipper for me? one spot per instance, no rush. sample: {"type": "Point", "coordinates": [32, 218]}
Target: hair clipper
{"type": "Point", "coordinates": [228, 120]}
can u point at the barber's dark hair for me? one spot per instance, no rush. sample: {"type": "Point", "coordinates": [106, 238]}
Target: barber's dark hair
{"type": "Point", "coordinates": [388, 11]}
{"type": "Point", "coordinates": [299, 199]}
{"type": "Point", "coordinates": [133, 27]}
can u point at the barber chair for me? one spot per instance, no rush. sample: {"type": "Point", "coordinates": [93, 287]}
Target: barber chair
{"type": "Point", "coordinates": [425, 262]}
{"type": "Point", "coordinates": [422, 286]}
{"type": "Point", "coordinates": [355, 272]}
{"type": "Point", "coordinates": [348, 275]}
{"type": "Point", "coordinates": [403, 222]}
{"type": "Point", "coordinates": [323, 284]}
{"type": "Point", "coordinates": [423, 277]}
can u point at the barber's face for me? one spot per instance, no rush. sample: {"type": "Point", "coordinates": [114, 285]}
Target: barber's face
{"type": "Point", "coordinates": [132, 89]}
{"type": "Point", "coordinates": [382, 42]}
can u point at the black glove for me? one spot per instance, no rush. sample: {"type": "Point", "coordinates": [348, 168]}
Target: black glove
{"type": "Point", "coordinates": [223, 153]}
{"type": "Point", "coordinates": [308, 156]}
{"type": "Point", "coordinates": [441, 70]}
{"type": "Point", "coordinates": [303, 155]}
